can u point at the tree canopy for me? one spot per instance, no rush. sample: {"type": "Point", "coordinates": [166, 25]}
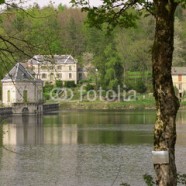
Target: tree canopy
{"type": "Point", "coordinates": [64, 30]}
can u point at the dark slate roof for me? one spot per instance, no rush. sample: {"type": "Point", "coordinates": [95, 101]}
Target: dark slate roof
{"type": "Point", "coordinates": [55, 59]}
{"type": "Point", "coordinates": [178, 70]}
{"type": "Point", "coordinates": [18, 73]}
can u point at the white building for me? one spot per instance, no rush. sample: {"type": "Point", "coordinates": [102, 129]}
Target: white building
{"type": "Point", "coordinates": [51, 68]}
{"type": "Point", "coordinates": [179, 79]}
{"type": "Point", "coordinates": [22, 91]}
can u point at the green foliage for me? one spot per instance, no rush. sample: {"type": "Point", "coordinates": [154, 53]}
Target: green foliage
{"type": "Point", "coordinates": [135, 49]}
{"type": "Point", "coordinates": [47, 89]}
{"type": "Point", "coordinates": [62, 30]}
{"type": "Point", "coordinates": [140, 86]}
{"type": "Point", "coordinates": [181, 178]}
{"type": "Point", "coordinates": [148, 180]}
{"type": "Point", "coordinates": [109, 13]}
{"type": "Point", "coordinates": [84, 81]}
{"type": "Point", "coordinates": [110, 70]}
{"type": "Point", "coordinates": [178, 55]}
{"type": "Point", "coordinates": [69, 84]}
{"type": "Point", "coordinates": [2, 1]}
{"type": "Point", "coordinates": [59, 83]}
{"type": "Point", "coordinates": [139, 81]}
{"type": "Point", "coordinates": [60, 8]}
{"type": "Point", "coordinates": [89, 87]}
{"type": "Point", "coordinates": [0, 91]}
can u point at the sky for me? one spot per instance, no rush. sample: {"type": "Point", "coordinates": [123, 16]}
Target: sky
{"type": "Point", "coordinates": [57, 2]}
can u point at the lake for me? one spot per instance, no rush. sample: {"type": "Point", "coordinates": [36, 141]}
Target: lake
{"type": "Point", "coordinates": [82, 148]}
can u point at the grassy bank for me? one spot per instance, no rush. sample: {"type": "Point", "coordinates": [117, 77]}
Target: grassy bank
{"type": "Point", "coordinates": [144, 104]}
{"type": "Point", "coordinates": [99, 105]}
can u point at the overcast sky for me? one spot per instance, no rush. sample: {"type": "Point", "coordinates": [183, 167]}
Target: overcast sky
{"type": "Point", "coordinates": [57, 2]}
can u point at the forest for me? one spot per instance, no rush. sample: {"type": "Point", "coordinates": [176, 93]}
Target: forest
{"type": "Point", "coordinates": [120, 57]}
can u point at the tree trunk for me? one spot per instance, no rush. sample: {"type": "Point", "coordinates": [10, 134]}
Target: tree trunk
{"type": "Point", "coordinates": [167, 103]}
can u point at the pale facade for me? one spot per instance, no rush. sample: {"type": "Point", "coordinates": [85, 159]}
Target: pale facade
{"type": "Point", "coordinates": [21, 91]}
{"type": "Point", "coordinates": [52, 68]}
{"type": "Point", "coordinates": [179, 79]}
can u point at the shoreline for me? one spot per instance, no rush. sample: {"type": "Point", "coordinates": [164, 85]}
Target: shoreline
{"type": "Point", "coordinates": [131, 105]}
{"type": "Point", "coordinates": [139, 105]}
{"type": "Point", "coordinates": [85, 105]}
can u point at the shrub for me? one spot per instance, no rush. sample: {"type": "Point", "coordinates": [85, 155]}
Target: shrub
{"type": "Point", "coordinates": [70, 84]}
{"type": "Point", "coordinates": [140, 87]}
{"type": "Point", "coordinates": [46, 90]}
{"type": "Point", "coordinates": [59, 83]}
{"type": "Point", "coordinates": [89, 87]}
{"type": "Point", "coordinates": [48, 87]}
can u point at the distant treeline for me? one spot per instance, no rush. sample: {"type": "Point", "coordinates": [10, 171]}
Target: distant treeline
{"type": "Point", "coordinates": [108, 58]}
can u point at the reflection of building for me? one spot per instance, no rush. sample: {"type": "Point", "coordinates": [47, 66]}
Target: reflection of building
{"type": "Point", "coordinates": [36, 150]}
{"type": "Point", "coordinates": [65, 134]}
{"type": "Point", "coordinates": [22, 91]}
{"type": "Point", "coordinates": [30, 130]}
{"type": "Point", "coordinates": [24, 130]}
{"type": "Point", "coordinates": [179, 79]}
{"type": "Point", "coordinates": [52, 68]}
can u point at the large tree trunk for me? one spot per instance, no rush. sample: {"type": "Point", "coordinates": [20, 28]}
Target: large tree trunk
{"type": "Point", "coordinates": [167, 103]}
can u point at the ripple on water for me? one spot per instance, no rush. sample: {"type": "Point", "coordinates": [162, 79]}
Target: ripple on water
{"type": "Point", "coordinates": [72, 165]}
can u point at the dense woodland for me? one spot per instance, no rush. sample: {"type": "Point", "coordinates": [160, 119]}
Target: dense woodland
{"type": "Point", "coordinates": [120, 57]}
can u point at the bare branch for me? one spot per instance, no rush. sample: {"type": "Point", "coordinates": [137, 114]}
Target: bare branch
{"type": "Point", "coordinates": [12, 44]}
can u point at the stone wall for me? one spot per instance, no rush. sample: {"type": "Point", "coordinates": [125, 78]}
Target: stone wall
{"type": "Point", "coordinates": [27, 108]}
{"type": "Point", "coordinates": [50, 107]}
{"type": "Point", "coordinates": [32, 109]}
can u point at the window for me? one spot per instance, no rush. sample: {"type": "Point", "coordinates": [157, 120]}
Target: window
{"type": "Point", "coordinates": [51, 67]}
{"type": "Point", "coordinates": [25, 96]}
{"type": "Point", "coordinates": [180, 86]}
{"type": "Point", "coordinates": [70, 68]}
{"type": "Point", "coordinates": [43, 76]}
{"type": "Point", "coordinates": [70, 75]}
{"type": "Point", "coordinates": [8, 96]}
{"type": "Point", "coordinates": [52, 77]}
{"type": "Point", "coordinates": [59, 76]}
{"type": "Point", "coordinates": [59, 67]}
{"type": "Point", "coordinates": [43, 67]}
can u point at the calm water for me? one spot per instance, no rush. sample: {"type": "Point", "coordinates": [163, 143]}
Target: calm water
{"type": "Point", "coordinates": [82, 148]}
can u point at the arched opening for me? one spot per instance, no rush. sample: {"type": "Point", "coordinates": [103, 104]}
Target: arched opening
{"type": "Point", "coordinates": [25, 110]}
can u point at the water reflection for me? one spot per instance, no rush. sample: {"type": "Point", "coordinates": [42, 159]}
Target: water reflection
{"type": "Point", "coordinates": [81, 148]}
{"type": "Point", "coordinates": [30, 130]}
{"type": "Point", "coordinates": [84, 128]}
{"type": "Point", "coordinates": [23, 130]}
{"type": "Point", "coordinates": [79, 128]}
